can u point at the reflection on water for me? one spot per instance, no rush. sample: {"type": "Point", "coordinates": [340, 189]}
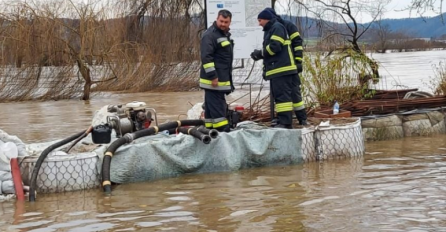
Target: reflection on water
{"type": "Point", "coordinates": [398, 186]}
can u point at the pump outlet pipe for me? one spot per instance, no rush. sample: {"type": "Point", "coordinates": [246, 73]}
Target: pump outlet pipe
{"type": "Point", "coordinates": [213, 133]}
{"type": "Point", "coordinates": [42, 157]}
{"type": "Point", "coordinates": [128, 138]}
{"type": "Point", "coordinates": [193, 131]}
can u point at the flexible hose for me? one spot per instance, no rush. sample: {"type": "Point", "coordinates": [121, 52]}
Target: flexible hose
{"type": "Point", "coordinates": [42, 157]}
{"type": "Point", "coordinates": [173, 131]}
{"type": "Point", "coordinates": [213, 133]}
{"type": "Point", "coordinates": [88, 131]}
{"type": "Point", "coordinates": [206, 139]}
{"type": "Point", "coordinates": [128, 138]}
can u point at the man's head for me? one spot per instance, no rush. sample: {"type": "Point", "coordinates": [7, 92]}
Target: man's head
{"type": "Point", "coordinates": [271, 10]}
{"type": "Point", "coordinates": [224, 20]}
{"type": "Point", "coordinates": [264, 17]}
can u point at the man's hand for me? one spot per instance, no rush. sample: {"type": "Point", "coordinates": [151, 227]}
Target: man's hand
{"type": "Point", "coordinates": [256, 55]}
{"type": "Point", "coordinates": [215, 82]}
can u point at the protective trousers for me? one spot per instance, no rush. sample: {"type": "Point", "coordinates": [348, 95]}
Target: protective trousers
{"type": "Point", "coordinates": [298, 102]}
{"type": "Point", "coordinates": [215, 110]}
{"type": "Point", "coordinates": [281, 90]}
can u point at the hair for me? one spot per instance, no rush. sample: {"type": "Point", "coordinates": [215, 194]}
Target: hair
{"type": "Point", "coordinates": [225, 14]}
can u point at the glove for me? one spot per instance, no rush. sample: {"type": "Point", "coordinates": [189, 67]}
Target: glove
{"type": "Point", "coordinates": [299, 67]}
{"type": "Point", "coordinates": [256, 55]}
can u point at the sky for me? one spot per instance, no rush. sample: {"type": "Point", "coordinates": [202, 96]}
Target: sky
{"type": "Point", "coordinates": [394, 10]}
{"type": "Point", "coordinates": [395, 7]}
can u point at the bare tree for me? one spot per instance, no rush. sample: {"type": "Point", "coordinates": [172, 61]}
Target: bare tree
{"type": "Point", "coordinates": [63, 49]}
{"type": "Point", "coordinates": [400, 40]}
{"type": "Point", "coordinates": [346, 12]}
{"type": "Point", "coordinates": [423, 6]}
{"type": "Point", "coordinates": [382, 36]}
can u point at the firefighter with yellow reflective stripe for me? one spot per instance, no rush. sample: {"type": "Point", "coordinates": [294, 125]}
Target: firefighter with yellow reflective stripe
{"type": "Point", "coordinates": [296, 45]}
{"type": "Point", "coordinates": [278, 66]}
{"type": "Point", "coordinates": [216, 70]}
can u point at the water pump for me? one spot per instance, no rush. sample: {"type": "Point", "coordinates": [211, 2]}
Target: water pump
{"type": "Point", "coordinates": [131, 117]}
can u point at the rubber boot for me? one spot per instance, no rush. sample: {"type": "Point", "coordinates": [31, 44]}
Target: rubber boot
{"type": "Point", "coordinates": [289, 126]}
{"type": "Point", "coordinates": [301, 116]}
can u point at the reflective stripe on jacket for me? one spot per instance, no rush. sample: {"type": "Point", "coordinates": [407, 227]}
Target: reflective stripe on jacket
{"type": "Point", "coordinates": [296, 39]}
{"type": "Point", "coordinates": [216, 59]}
{"type": "Point", "coordinates": [278, 59]}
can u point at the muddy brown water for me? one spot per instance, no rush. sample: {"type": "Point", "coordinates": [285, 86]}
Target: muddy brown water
{"type": "Point", "coordinates": [397, 186]}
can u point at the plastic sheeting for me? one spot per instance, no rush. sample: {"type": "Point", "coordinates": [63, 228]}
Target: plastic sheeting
{"type": "Point", "coordinates": [162, 156]}
{"type": "Point", "coordinates": [165, 156]}
{"type": "Point", "coordinates": [8, 150]}
{"type": "Point", "coordinates": [253, 145]}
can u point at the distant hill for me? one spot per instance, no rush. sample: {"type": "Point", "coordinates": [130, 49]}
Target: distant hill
{"type": "Point", "coordinates": [416, 27]}
{"type": "Point", "coordinates": [419, 27]}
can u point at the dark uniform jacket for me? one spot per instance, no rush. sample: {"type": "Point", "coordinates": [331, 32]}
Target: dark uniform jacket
{"type": "Point", "coordinates": [296, 39]}
{"type": "Point", "coordinates": [216, 58]}
{"type": "Point", "coordinates": [278, 57]}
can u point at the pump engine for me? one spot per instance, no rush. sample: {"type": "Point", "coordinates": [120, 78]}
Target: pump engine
{"type": "Point", "coordinates": [131, 117]}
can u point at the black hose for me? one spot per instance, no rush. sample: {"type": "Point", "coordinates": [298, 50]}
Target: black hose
{"type": "Point", "coordinates": [213, 133]}
{"type": "Point", "coordinates": [88, 131]}
{"type": "Point", "coordinates": [173, 131]}
{"type": "Point", "coordinates": [128, 138]}
{"type": "Point", "coordinates": [42, 157]}
{"type": "Point", "coordinates": [206, 139]}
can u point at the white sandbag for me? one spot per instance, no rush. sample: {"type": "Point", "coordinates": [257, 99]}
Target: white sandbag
{"type": "Point", "coordinates": [5, 175]}
{"type": "Point", "coordinates": [8, 187]}
{"type": "Point", "coordinates": [10, 150]}
{"type": "Point", "coordinates": [21, 147]}
{"type": "Point", "coordinates": [4, 162]}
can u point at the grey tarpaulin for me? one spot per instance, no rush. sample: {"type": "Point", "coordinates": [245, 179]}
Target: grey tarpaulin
{"type": "Point", "coordinates": [163, 156]}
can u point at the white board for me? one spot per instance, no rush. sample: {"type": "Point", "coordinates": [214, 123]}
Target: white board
{"type": "Point", "coordinates": [245, 30]}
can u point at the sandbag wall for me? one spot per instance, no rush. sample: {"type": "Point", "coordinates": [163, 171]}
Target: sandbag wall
{"type": "Point", "coordinates": [342, 138]}
{"type": "Point", "coordinates": [62, 172]}
{"type": "Point", "coordinates": [404, 125]}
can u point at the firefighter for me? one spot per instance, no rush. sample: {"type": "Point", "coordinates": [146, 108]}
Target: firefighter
{"type": "Point", "coordinates": [296, 45]}
{"type": "Point", "coordinates": [278, 66]}
{"type": "Point", "coordinates": [216, 70]}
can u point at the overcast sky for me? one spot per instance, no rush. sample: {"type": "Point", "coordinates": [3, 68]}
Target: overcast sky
{"type": "Point", "coordinates": [395, 10]}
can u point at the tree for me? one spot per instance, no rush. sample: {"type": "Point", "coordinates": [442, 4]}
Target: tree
{"type": "Point", "coordinates": [423, 6]}
{"type": "Point", "coordinates": [346, 13]}
{"type": "Point", "coordinates": [382, 36]}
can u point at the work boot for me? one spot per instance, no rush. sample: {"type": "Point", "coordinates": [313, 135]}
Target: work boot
{"type": "Point", "coordinates": [274, 122]}
{"type": "Point", "coordinates": [288, 126]}
{"type": "Point", "coordinates": [303, 122]}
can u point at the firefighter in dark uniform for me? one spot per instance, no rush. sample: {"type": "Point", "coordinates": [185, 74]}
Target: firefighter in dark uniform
{"type": "Point", "coordinates": [216, 70]}
{"type": "Point", "coordinates": [296, 46]}
{"type": "Point", "coordinates": [278, 66]}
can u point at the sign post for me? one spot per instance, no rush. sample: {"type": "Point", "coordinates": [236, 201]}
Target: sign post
{"type": "Point", "coordinates": [245, 29]}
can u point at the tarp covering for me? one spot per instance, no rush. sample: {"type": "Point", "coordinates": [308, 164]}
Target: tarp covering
{"type": "Point", "coordinates": [162, 156]}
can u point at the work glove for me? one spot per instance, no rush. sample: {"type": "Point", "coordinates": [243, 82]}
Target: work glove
{"type": "Point", "coordinates": [299, 67]}
{"type": "Point", "coordinates": [256, 55]}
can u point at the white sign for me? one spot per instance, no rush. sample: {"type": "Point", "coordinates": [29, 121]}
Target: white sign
{"type": "Point", "coordinates": [245, 30]}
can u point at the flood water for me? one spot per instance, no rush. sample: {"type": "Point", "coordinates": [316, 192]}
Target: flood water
{"type": "Point", "coordinates": [402, 70]}
{"type": "Point", "coordinates": [397, 186]}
